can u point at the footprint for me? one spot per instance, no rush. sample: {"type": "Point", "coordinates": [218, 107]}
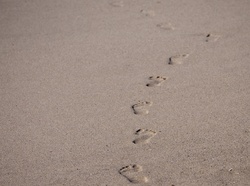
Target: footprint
{"type": "Point", "coordinates": [156, 81]}
{"type": "Point", "coordinates": [133, 174]}
{"type": "Point", "coordinates": [148, 13]}
{"type": "Point", "coordinates": [165, 26]}
{"type": "Point", "coordinates": [178, 59]}
{"type": "Point", "coordinates": [116, 3]}
{"type": "Point", "coordinates": [141, 108]}
{"type": "Point", "coordinates": [212, 37]}
{"type": "Point", "coordinates": [144, 136]}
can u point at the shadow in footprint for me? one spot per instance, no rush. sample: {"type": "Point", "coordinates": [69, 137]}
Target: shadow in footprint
{"type": "Point", "coordinates": [133, 173]}
{"type": "Point", "coordinates": [144, 136]}
{"type": "Point", "coordinates": [142, 107]}
{"type": "Point", "coordinates": [156, 81]}
{"type": "Point", "coordinates": [178, 59]}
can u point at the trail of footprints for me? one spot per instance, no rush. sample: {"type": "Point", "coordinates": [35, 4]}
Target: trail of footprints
{"type": "Point", "coordinates": [143, 136]}
{"type": "Point", "coordinates": [177, 59]}
{"type": "Point", "coordinates": [142, 107]}
{"type": "Point", "coordinates": [148, 13]}
{"type": "Point", "coordinates": [134, 172]}
{"type": "Point", "coordinates": [156, 81]}
{"type": "Point", "coordinates": [165, 26]}
{"type": "Point", "coordinates": [212, 37]}
{"type": "Point", "coordinates": [116, 3]}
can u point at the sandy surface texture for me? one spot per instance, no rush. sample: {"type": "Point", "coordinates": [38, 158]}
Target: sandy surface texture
{"type": "Point", "coordinates": [119, 93]}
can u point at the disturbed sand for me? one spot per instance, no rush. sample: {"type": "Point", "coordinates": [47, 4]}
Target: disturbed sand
{"type": "Point", "coordinates": [115, 93]}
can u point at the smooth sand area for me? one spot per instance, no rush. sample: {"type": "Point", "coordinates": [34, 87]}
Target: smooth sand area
{"type": "Point", "coordinates": [132, 92]}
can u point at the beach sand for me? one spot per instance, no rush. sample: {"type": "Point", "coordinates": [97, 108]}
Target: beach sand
{"type": "Point", "coordinates": [115, 93]}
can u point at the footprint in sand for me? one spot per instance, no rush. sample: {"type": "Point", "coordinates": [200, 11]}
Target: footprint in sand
{"type": "Point", "coordinates": [148, 13]}
{"type": "Point", "coordinates": [144, 136]}
{"type": "Point", "coordinates": [178, 59]}
{"type": "Point", "coordinates": [116, 3]}
{"type": "Point", "coordinates": [133, 173]}
{"type": "Point", "coordinates": [141, 108]}
{"type": "Point", "coordinates": [212, 37]}
{"type": "Point", "coordinates": [156, 81]}
{"type": "Point", "coordinates": [165, 26]}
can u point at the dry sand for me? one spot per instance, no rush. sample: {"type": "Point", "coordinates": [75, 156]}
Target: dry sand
{"type": "Point", "coordinates": [73, 73]}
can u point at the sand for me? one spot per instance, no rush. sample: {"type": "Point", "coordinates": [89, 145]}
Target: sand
{"type": "Point", "coordinates": [115, 93]}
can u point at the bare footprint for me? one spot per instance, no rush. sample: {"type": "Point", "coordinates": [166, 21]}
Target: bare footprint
{"type": "Point", "coordinates": [133, 173]}
{"type": "Point", "coordinates": [178, 59]}
{"type": "Point", "coordinates": [144, 136]}
{"type": "Point", "coordinates": [116, 3]}
{"type": "Point", "coordinates": [148, 13]}
{"type": "Point", "coordinates": [212, 37]}
{"type": "Point", "coordinates": [141, 108]}
{"type": "Point", "coordinates": [156, 81]}
{"type": "Point", "coordinates": [165, 26]}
